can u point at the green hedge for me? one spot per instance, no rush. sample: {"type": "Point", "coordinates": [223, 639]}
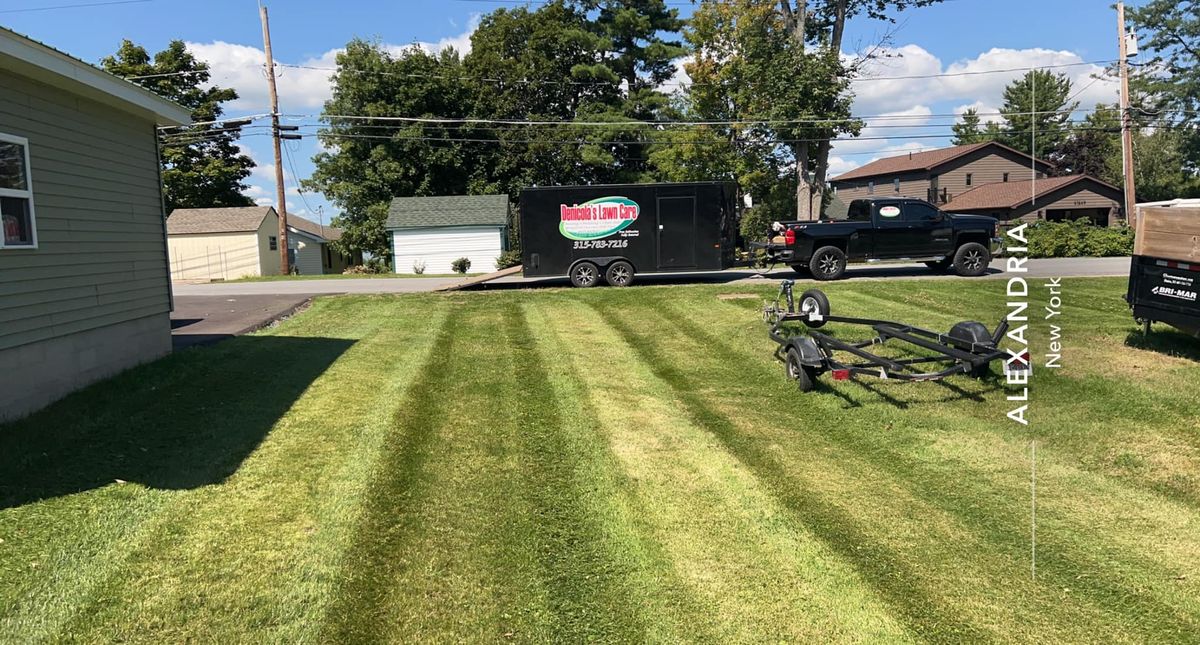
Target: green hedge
{"type": "Point", "coordinates": [1080, 238]}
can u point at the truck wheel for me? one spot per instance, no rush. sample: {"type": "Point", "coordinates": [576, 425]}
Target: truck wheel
{"type": "Point", "coordinates": [804, 376]}
{"type": "Point", "coordinates": [585, 274]}
{"type": "Point", "coordinates": [972, 259]}
{"type": "Point", "coordinates": [967, 332]}
{"type": "Point", "coordinates": [619, 274]}
{"type": "Point", "coordinates": [814, 301]}
{"type": "Point", "coordinates": [828, 263]}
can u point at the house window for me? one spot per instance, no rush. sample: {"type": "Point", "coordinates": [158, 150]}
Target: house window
{"type": "Point", "coordinates": [968, 179]}
{"type": "Point", "coordinates": [870, 188]}
{"type": "Point", "coordinates": [16, 195]}
{"type": "Point", "coordinates": [1006, 177]}
{"type": "Point", "coordinates": [896, 185]}
{"type": "Point", "coordinates": [273, 243]}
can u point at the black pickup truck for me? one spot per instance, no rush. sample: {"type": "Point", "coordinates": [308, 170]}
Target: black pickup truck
{"type": "Point", "coordinates": [887, 230]}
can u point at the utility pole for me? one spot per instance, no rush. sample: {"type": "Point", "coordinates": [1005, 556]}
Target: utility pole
{"type": "Point", "coordinates": [1126, 118]}
{"type": "Point", "coordinates": [280, 198]}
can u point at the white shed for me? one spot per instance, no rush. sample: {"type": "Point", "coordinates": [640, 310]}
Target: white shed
{"type": "Point", "coordinates": [435, 231]}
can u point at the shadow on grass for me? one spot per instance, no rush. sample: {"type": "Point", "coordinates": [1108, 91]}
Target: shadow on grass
{"type": "Point", "coordinates": [185, 421]}
{"type": "Point", "coordinates": [1166, 340]}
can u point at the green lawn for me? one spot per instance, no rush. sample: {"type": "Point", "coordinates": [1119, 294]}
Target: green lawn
{"type": "Point", "coordinates": [349, 276]}
{"type": "Point", "coordinates": [607, 465]}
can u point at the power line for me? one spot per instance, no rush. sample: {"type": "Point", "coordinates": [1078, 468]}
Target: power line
{"type": "Point", "coordinates": [75, 6]}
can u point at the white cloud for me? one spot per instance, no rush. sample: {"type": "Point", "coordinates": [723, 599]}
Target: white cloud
{"type": "Point", "coordinates": [303, 84]}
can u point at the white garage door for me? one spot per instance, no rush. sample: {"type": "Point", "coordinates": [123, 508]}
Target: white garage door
{"type": "Point", "coordinates": [438, 247]}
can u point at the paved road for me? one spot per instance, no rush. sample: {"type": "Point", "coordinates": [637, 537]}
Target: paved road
{"type": "Point", "coordinates": [1064, 267]}
{"type": "Point", "coordinates": [204, 320]}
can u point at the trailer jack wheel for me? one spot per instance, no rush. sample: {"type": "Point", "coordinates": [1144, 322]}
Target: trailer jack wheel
{"type": "Point", "coordinates": [814, 304]}
{"type": "Point", "coordinates": [804, 375]}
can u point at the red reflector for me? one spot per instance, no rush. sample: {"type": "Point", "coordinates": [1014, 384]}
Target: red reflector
{"type": "Point", "coordinates": [841, 375]}
{"type": "Point", "coordinates": [789, 237]}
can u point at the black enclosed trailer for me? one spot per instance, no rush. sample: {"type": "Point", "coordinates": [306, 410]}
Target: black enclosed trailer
{"type": "Point", "coordinates": [613, 232]}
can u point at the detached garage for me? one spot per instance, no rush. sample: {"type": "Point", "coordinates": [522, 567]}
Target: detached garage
{"type": "Point", "coordinates": [436, 231]}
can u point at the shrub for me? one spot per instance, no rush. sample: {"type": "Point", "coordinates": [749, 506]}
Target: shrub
{"type": "Point", "coordinates": [364, 269]}
{"type": "Point", "coordinates": [1078, 238]}
{"type": "Point", "coordinates": [418, 266]}
{"type": "Point", "coordinates": [509, 258]}
{"type": "Point", "coordinates": [461, 265]}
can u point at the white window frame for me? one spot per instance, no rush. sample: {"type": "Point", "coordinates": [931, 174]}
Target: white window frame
{"type": "Point", "coordinates": [26, 194]}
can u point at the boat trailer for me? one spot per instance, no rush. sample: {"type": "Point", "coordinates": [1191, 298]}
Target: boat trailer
{"type": "Point", "coordinates": [967, 348]}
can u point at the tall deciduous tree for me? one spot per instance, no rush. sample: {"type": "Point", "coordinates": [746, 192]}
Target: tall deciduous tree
{"type": "Point", "coordinates": [1093, 148]}
{"type": "Point", "coordinates": [202, 164]}
{"type": "Point", "coordinates": [1168, 75]}
{"type": "Point", "coordinates": [1037, 111]}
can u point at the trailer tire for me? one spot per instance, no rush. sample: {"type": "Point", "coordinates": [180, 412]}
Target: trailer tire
{"type": "Point", "coordinates": [585, 274]}
{"type": "Point", "coordinates": [804, 375]}
{"type": "Point", "coordinates": [828, 263]}
{"type": "Point", "coordinates": [968, 332]}
{"type": "Point", "coordinates": [814, 301]}
{"type": "Point", "coordinates": [619, 274]}
{"type": "Point", "coordinates": [972, 259]}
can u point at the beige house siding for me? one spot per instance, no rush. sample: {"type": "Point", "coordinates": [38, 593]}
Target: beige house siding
{"type": "Point", "coordinates": [101, 258]}
{"type": "Point", "coordinates": [268, 260]}
{"type": "Point", "coordinates": [990, 169]}
{"type": "Point", "coordinates": [916, 186]}
{"type": "Point", "coordinates": [1074, 199]}
{"type": "Point", "coordinates": [220, 256]}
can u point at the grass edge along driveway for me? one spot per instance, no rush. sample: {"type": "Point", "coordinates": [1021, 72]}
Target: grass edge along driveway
{"type": "Point", "coordinates": [604, 465]}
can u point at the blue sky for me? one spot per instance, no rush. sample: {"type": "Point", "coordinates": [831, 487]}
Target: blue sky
{"type": "Point", "coordinates": [953, 37]}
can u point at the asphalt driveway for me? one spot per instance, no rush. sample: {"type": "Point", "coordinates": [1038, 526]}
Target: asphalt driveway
{"type": "Point", "coordinates": [1045, 268]}
{"type": "Point", "coordinates": [204, 320]}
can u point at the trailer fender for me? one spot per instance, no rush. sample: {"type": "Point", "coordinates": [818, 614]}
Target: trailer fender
{"type": "Point", "coordinates": [602, 262]}
{"type": "Point", "coordinates": [810, 353]}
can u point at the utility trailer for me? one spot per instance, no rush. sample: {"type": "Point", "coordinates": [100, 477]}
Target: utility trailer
{"type": "Point", "coordinates": [1164, 275]}
{"type": "Point", "coordinates": [968, 348]}
{"type": "Point", "coordinates": [614, 232]}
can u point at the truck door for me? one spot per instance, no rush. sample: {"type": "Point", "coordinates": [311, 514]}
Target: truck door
{"type": "Point", "coordinates": [891, 232]}
{"type": "Point", "coordinates": [929, 231]}
{"type": "Point", "coordinates": [676, 232]}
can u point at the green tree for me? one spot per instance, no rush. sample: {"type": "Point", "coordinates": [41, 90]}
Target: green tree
{"type": "Point", "coordinates": [1161, 169]}
{"type": "Point", "coordinates": [202, 164]}
{"type": "Point", "coordinates": [367, 161]}
{"type": "Point", "coordinates": [1038, 101]}
{"type": "Point", "coordinates": [971, 130]}
{"type": "Point", "coordinates": [1093, 148]}
{"type": "Point", "coordinates": [1168, 73]}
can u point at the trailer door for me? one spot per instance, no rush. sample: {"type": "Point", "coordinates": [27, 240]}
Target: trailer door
{"type": "Point", "coordinates": [676, 232]}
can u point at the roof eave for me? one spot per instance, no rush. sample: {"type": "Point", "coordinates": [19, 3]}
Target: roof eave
{"type": "Point", "coordinates": [52, 67]}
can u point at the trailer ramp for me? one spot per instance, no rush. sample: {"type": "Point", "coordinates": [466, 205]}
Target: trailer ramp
{"type": "Point", "coordinates": [480, 279]}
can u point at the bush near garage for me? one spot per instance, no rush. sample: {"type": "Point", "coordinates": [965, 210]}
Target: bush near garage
{"type": "Point", "coordinates": [509, 258]}
{"type": "Point", "coordinates": [461, 265]}
{"type": "Point", "coordinates": [1080, 238]}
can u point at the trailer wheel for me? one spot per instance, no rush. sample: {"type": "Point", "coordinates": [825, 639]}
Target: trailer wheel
{"type": "Point", "coordinates": [828, 263]}
{"type": "Point", "coordinates": [585, 274]}
{"type": "Point", "coordinates": [804, 375]}
{"type": "Point", "coordinates": [963, 335]}
{"type": "Point", "coordinates": [619, 274]}
{"type": "Point", "coordinates": [814, 301]}
{"type": "Point", "coordinates": [972, 259]}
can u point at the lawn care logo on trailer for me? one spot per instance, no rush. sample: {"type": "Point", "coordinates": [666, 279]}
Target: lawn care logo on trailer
{"type": "Point", "coordinates": [598, 218]}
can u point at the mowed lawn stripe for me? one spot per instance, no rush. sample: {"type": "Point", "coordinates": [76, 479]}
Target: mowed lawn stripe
{"type": "Point", "coordinates": [277, 526]}
{"type": "Point", "coordinates": [722, 408]}
{"type": "Point", "coordinates": [1082, 558]}
{"type": "Point", "coordinates": [72, 579]}
{"type": "Point", "coordinates": [753, 573]}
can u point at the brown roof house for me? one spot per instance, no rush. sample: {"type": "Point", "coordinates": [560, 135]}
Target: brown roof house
{"type": "Point", "coordinates": [84, 288]}
{"type": "Point", "coordinates": [993, 175]}
{"type": "Point", "coordinates": [238, 242]}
